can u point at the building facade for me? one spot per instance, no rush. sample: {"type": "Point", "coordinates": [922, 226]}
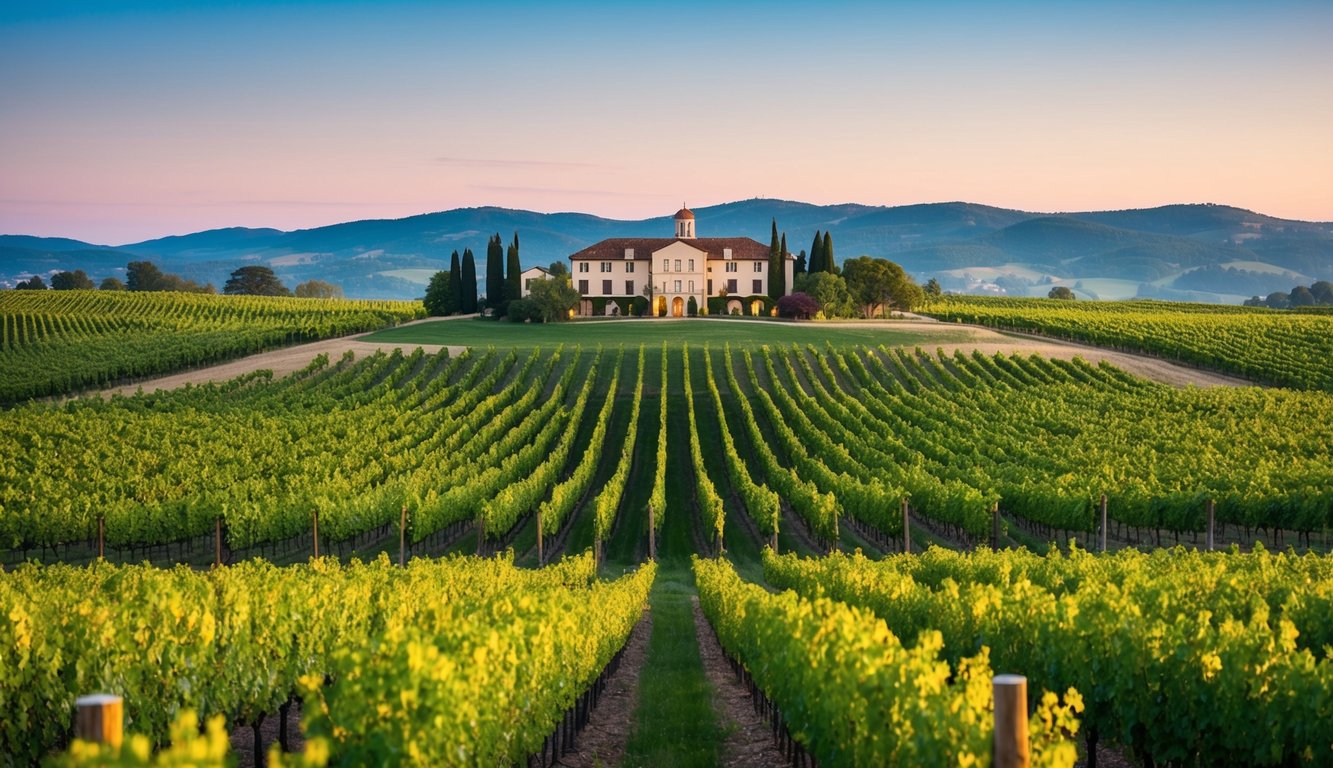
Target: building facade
{"type": "Point", "coordinates": [530, 274]}
{"type": "Point", "coordinates": [669, 271]}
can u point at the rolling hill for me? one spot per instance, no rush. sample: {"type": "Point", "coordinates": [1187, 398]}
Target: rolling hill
{"type": "Point", "coordinates": [1192, 252]}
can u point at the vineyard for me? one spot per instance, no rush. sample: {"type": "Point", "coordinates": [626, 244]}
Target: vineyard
{"type": "Point", "coordinates": [1285, 348]}
{"type": "Point", "coordinates": [579, 462]}
{"type": "Point", "coordinates": [52, 343]}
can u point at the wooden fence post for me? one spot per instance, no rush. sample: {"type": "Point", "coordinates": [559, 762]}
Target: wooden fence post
{"type": "Point", "coordinates": [100, 718]}
{"type": "Point", "coordinates": [541, 555]}
{"type": "Point", "coordinates": [1103, 537]}
{"type": "Point", "coordinates": [402, 538]}
{"type": "Point", "coordinates": [481, 533]}
{"type": "Point", "coordinates": [652, 533]}
{"type": "Point", "coordinates": [907, 529]}
{"type": "Point", "coordinates": [1211, 519]}
{"type": "Point", "coordinates": [217, 541]}
{"type": "Point", "coordinates": [101, 537]}
{"type": "Point", "coordinates": [1011, 721]}
{"type": "Point", "coordinates": [995, 526]}
{"type": "Point", "coordinates": [315, 537]}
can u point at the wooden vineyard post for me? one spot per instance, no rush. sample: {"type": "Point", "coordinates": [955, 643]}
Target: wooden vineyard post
{"type": "Point", "coordinates": [907, 530]}
{"type": "Point", "coordinates": [995, 526]}
{"type": "Point", "coordinates": [481, 533]}
{"type": "Point", "coordinates": [774, 542]}
{"type": "Point", "coordinates": [402, 538]}
{"type": "Point", "coordinates": [217, 544]}
{"type": "Point", "coordinates": [1212, 509]}
{"type": "Point", "coordinates": [101, 537]}
{"type": "Point", "coordinates": [541, 556]}
{"type": "Point", "coordinates": [597, 553]}
{"type": "Point", "coordinates": [316, 533]}
{"type": "Point", "coordinates": [652, 533]}
{"type": "Point", "coordinates": [100, 718]}
{"type": "Point", "coordinates": [1010, 748]}
{"type": "Point", "coordinates": [1103, 536]}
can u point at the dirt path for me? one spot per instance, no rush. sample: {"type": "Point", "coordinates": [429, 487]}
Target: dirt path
{"type": "Point", "coordinates": [602, 742]}
{"type": "Point", "coordinates": [280, 361]}
{"type": "Point", "coordinates": [749, 742]}
{"type": "Point", "coordinates": [988, 342]}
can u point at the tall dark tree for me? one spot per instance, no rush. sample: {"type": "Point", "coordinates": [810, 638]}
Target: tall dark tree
{"type": "Point", "coordinates": [77, 280]}
{"type": "Point", "coordinates": [782, 267]}
{"type": "Point", "coordinates": [469, 278]}
{"type": "Point", "coordinates": [799, 267]}
{"type": "Point", "coordinates": [456, 281]}
{"type": "Point", "coordinates": [254, 280]}
{"type": "Point", "coordinates": [513, 273]}
{"type": "Point", "coordinates": [830, 264]}
{"type": "Point", "coordinates": [816, 254]}
{"type": "Point", "coordinates": [774, 264]}
{"type": "Point", "coordinates": [495, 272]}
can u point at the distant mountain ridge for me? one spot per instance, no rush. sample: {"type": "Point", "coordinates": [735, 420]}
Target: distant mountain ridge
{"type": "Point", "coordinates": [1149, 252]}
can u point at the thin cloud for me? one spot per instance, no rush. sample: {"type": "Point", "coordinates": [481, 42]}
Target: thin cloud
{"type": "Point", "coordinates": [477, 162]}
{"type": "Point", "coordinates": [574, 192]}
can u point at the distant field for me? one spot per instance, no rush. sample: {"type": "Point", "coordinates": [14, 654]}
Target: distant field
{"type": "Point", "coordinates": [487, 333]}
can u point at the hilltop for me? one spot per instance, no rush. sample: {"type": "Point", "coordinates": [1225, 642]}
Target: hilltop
{"type": "Point", "coordinates": [1198, 252]}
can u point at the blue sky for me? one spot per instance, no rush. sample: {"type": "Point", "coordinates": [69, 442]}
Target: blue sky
{"type": "Point", "coordinates": [123, 121]}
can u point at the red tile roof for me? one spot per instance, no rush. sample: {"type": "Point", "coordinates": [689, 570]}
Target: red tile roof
{"type": "Point", "coordinates": [684, 213]}
{"type": "Point", "coordinates": [614, 248]}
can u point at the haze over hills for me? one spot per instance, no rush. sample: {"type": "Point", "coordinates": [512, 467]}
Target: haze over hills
{"type": "Point", "coordinates": [1184, 252]}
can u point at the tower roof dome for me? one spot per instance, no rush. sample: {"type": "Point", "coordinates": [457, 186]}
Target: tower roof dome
{"type": "Point", "coordinates": [684, 213]}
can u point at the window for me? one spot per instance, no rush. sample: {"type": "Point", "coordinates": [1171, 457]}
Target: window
{"type": "Point", "coordinates": [759, 266]}
{"type": "Point", "coordinates": [758, 285]}
{"type": "Point", "coordinates": [583, 287]}
{"type": "Point", "coordinates": [606, 266]}
{"type": "Point", "coordinates": [677, 265]}
{"type": "Point", "coordinates": [583, 266]}
{"type": "Point", "coordinates": [629, 253]}
{"type": "Point", "coordinates": [691, 265]}
{"type": "Point", "coordinates": [732, 267]}
{"type": "Point", "coordinates": [710, 286]}
{"type": "Point", "coordinates": [606, 287]}
{"type": "Point", "coordinates": [691, 286]}
{"type": "Point", "coordinates": [731, 286]}
{"type": "Point", "coordinates": [666, 265]}
{"type": "Point", "coordinates": [726, 253]}
{"type": "Point", "coordinates": [677, 286]}
{"type": "Point", "coordinates": [527, 284]}
{"type": "Point", "coordinates": [629, 287]}
{"type": "Point", "coordinates": [629, 267]}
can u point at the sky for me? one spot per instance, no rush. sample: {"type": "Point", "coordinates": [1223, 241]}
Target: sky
{"type": "Point", "coordinates": [121, 122]}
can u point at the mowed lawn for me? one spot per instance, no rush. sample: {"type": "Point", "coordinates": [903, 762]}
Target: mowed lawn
{"type": "Point", "coordinates": [695, 332]}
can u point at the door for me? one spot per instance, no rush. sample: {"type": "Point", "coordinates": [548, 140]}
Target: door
{"type": "Point", "coordinates": [678, 307]}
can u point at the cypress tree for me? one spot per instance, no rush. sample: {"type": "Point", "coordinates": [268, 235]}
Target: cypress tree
{"type": "Point", "coordinates": [783, 253]}
{"type": "Point", "coordinates": [774, 259]}
{"type": "Point", "coordinates": [495, 272]}
{"type": "Point", "coordinates": [456, 280]}
{"type": "Point", "coordinates": [816, 253]}
{"type": "Point", "coordinates": [514, 278]}
{"type": "Point", "coordinates": [799, 266]}
{"type": "Point", "coordinates": [469, 277]}
{"type": "Point", "coordinates": [826, 255]}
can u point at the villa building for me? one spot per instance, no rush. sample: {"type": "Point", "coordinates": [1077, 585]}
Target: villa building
{"type": "Point", "coordinates": [528, 275]}
{"type": "Point", "coordinates": [669, 271]}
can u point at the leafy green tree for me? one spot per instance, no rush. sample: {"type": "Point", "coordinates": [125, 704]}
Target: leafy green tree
{"type": "Point", "coordinates": [143, 276]}
{"type": "Point", "coordinates": [77, 280]}
{"type": "Point", "coordinates": [254, 280]}
{"type": "Point", "coordinates": [692, 307]}
{"type": "Point", "coordinates": [469, 282]}
{"type": "Point", "coordinates": [1278, 300]}
{"type": "Point", "coordinates": [558, 268]}
{"type": "Point", "coordinates": [1300, 296]}
{"type": "Point", "coordinates": [1061, 292]}
{"type": "Point", "coordinates": [34, 283]}
{"type": "Point", "coordinates": [514, 273]}
{"type": "Point", "coordinates": [1322, 292]}
{"type": "Point", "coordinates": [111, 284]}
{"type": "Point", "coordinates": [870, 282]}
{"type": "Point", "coordinates": [932, 288]}
{"type": "Point", "coordinates": [495, 272]}
{"type": "Point", "coordinates": [829, 291]}
{"type": "Point", "coordinates": [456, 282]}
{"type": "Point", "coordinates": [553, 298]}
{"type": "Point", "coordinates": [318, 289]}
{"type": "Point", "coordinates": [439, 295]}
